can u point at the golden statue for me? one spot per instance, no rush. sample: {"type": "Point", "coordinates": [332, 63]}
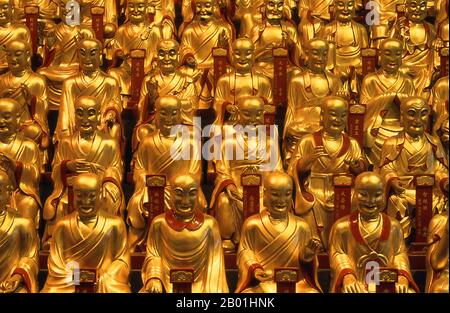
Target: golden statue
{"type": "Point", "coordinates": [184, 237]}
{"type": "Point", "coordinates": [347, 38]}
{"type": "Point", "coordinates": [90, 81]}
{"type": "Point", "coordinates": [162, 9]}
{"type": "Point", "coordinates": [30, 90]}
{"type": "Point", "coordinates": [137, 33]}
{"type": "Point", "coordinates": [437, 255]}
{"type": "Point", "coordinates": [87, 150]}
{"type": "Point", "coordinates": [365, 238]}
{"type": "Point", "coordinates": [276, 238]}
{"type": "Point", "coordinates": [110, 14]}
{"type": "Point", "coordinates": [161, 152]}
{"type": "Point", "coordinates": [317, 158]}
{"type": "Point", "coordinates": [379, 93]}
{"type": "Point", "coordinates": [274, 31]}
{"type": "Point", "coordinates": [439, 104]}
{"type": "Point", "coordinates": [20, 156]}
{"type": "Point", "coordinates": [260, 156]}
{"type": "Point", "coordinates": [242, 80]}
{"type": "Point", "coordinates": [9, 31]}
{"type": "Point", "coordinates": [88, 239]}
{"type": "Point", "coordinates": [19, 245]}
{"type": "Point", "coordinates": [306, 91]}
{"type": "Point", "coordinates": [412, 152]}
{"type": "Point", "coordinates": [441, 22]}
{"type": "Point", "coordinates": [206, 31]}
{"type": "Point", "coordinates": [383, 17]}
{"type": "Point", "coordinates": [60, 56]}
{"type": "Point", "coordinates": [419, 39]}
{"type": "Point", "coordinates": [168, 79]}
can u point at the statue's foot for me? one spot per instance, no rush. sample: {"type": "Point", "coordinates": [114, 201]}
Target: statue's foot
{"type": "Point", "coordinates": [228, 246]}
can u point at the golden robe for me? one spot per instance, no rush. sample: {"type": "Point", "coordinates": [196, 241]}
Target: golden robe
{"type": "Point", "coordinates": [129, 37]}
{"type": "Point", "coordinates": [382, 117]}
{"type": "Point", "coordinates": [439, 105]}
{"type": "Point", "coordinates": [265, 160]}
{"type": "Point", "coordinates": [102, 86]}
{"type": "Point", "coordinates": [8, 34]}
{"type": "Point", "coordinates": [263, 246]}
{"type": "Point", "coordinates": [173, 244]}
{"type": "Point", "coordinates": [19, 251]}
{"type": "Point", "coordinates": [158, 155]}
{"type": "Point", "coordinates": [179, 84]}
{"type": "Point", "coordinates": [61, 60]}
{"type": "Point", "coordinates": [402, 158]}
{"type": "Point", "coordinates": [104, 249]}
{"type": "Point", "coordinates": [104, 152]}
{"type": "Point", "coordinates": [47, 8]}
{"type": "Point", "coordinates": [315, 191]}
{"type": "Point", "coordinates": [26, 154]}
{"type": "Point", "coordinates": [320, 14]}
{"type": "Point", "coordinates": [110, 7]}
{"type": "Point", "coordinates": [437, 278]}
{"type": "Point", "coordinates": [232, 85]}
{"type": "Point", "coordinates": [352, 247]}
{"type": "Point", "coordinates": [418, 59]}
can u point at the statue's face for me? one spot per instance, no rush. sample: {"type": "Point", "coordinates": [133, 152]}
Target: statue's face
{"type": "Point", "coordinates": [136, 10]}
{"type": "Point", "coordinates": [345, 10]}
{"type": "Point", "coordinates": [89, 54]}
{"type": "Point", "coordinates": [185, 196]}
{"type": "Point", "coordinates": [87, 115]}
{"type": "Point", "coordinates": [5, 11]}
{"type": "Point", "coordinates": [204, 9]}
{"type": "Point", "coordinates": [278, 195]}
{"type": "Point", "coordinates": [317, 56]}
{"type": "Point", "coordinates": [168, 114]}
{"type": "Point", "coordinates": [17, 56]}
{"type": "Point", "coordinates": [416, 10]}
{"type": "Point", "coordinates": [168, 56]}
{"type": "Point", "coordinates": [369, 194]}
{"type": "Point", "coordinates": [391, 56]}
{"type": "Point", "coordinates": [414, 114]}
{"type": "Point", "coordinates": [85, 197]}
{"type": "Point", "coordinates": [243, 55]}
{"type": "Point", "coordinates": [9, 117]}
{"type": "Point", "coordinates": [274, 9]}
{"type": "Point", "coordinates": [334, 115]}
{"type": "Point", "coordinates": [251, 112]}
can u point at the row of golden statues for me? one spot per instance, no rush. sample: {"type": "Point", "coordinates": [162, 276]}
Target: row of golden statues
{"type": "Point", "coordinates": [361, 175]}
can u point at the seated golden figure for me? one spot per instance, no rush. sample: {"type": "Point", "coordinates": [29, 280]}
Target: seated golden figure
{"type": "Point", "coordinates": [88, 238]}
{"type": "Point", "coordinates": [137, 33]}
{"type": "Point", "coordinates": [306, 91]}
{"type": "Point", "coordinates": [19, 245]}
{"type": "Point", "coordinates": [313, 16]}
{"type": "Point", "coordinates": [346, 40]}
{"type": "Point", "coordinates": [227, 198]}
{"type": "Point", "coordinates": [88, 150]}
{"type": "Point", "coordinates": [382, 19]}
{"type": "Point", "coordinates": [274, 31]}
{"type": "Point", "coordinates": [161, 152]}
{"type": "Point", "coordinates": [419, 38]}
{"type": "Point", "coordinates": [439, 105]}
{"type": "Point", "coordinates": [48, 9]}
{"type": "Point", "coordinates": [437, 255]}
{"type": "Point", "coordinates": [276, 238]}
{"type": "Point", "coordinates": [379, 91]}
{"type": "Point", "coordinates": [20, 156]}
{"type": "Point", "coordinates": [9, 31]}
{"type": "Point", "coordinates": [367, 236]}
{"type": "Point", "coordinates": [184, 237]}
{"type": "Point", "coordinates": [317, 158]}
{"type": "Point", "coordinates": [242, 80]}
{"type": "Point", "coordinates": [167, 79]}
{"type": "Point", "coordinates": [412, 152]}
{"type": "Point", "coordinates": [90, 81]}
{"type": "Point", "coordinates": [30, 90]}
{"type": "Point", "coordinates": [206, 31]}
{"type": "Point", "coordinates": [60, 53]}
